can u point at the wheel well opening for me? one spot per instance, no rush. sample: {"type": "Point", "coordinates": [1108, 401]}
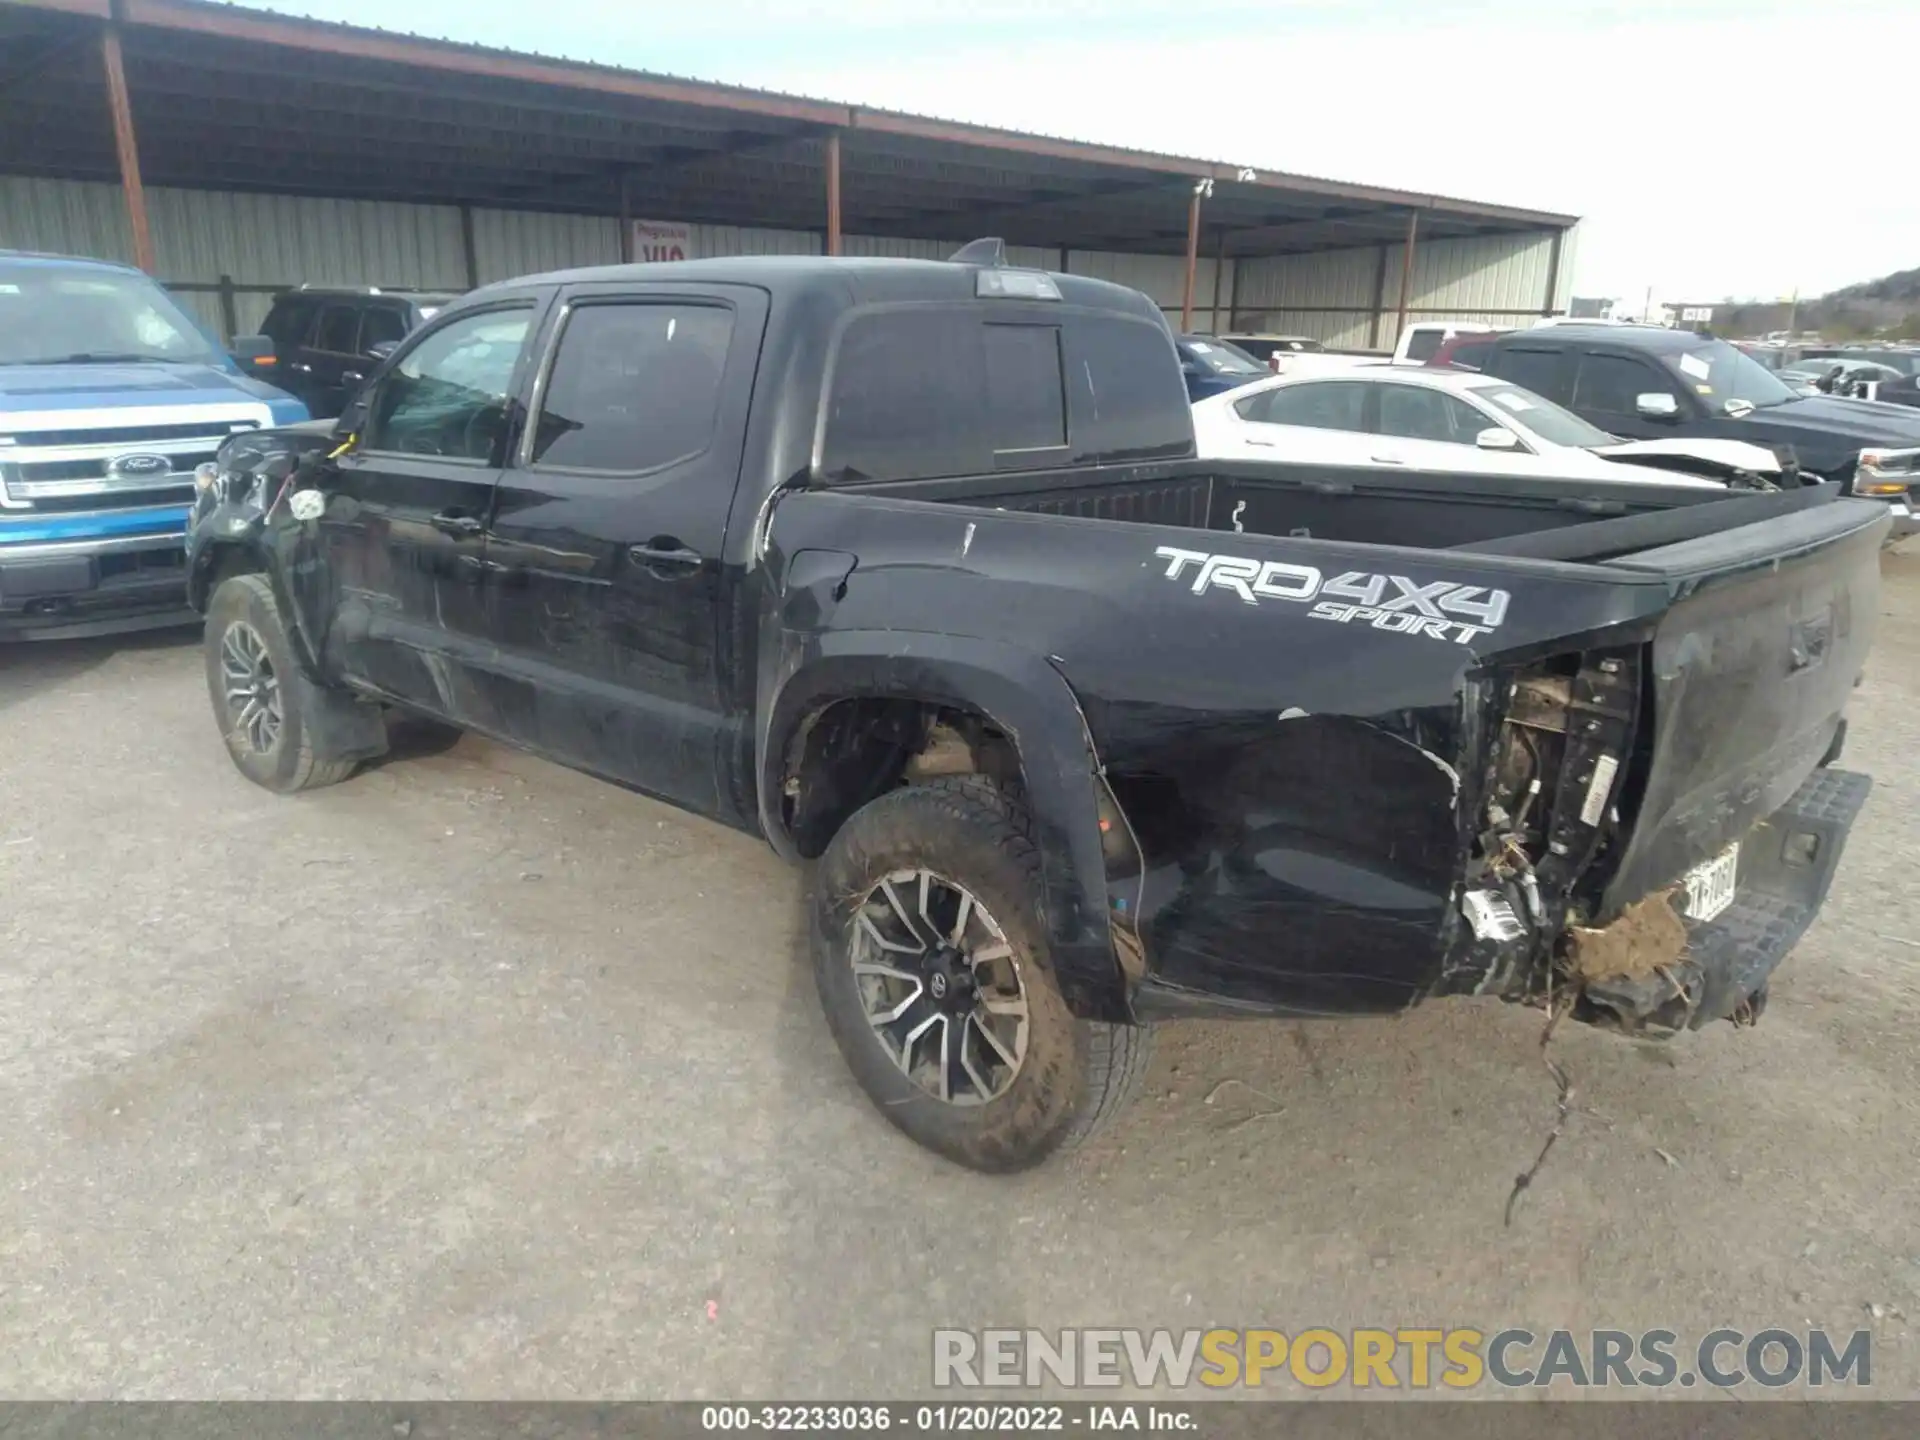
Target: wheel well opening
{"type": "Point", "coordinates": [855, 750]}
{"type": "Point", "coordinates": [225, 562]}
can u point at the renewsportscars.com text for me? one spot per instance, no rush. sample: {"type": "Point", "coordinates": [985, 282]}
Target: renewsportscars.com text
{"type": "Point", "coordinates": [1400, 1358]}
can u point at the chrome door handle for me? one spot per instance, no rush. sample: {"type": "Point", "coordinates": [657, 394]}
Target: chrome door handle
{"type": "Point", "coordinates": [668, 553]}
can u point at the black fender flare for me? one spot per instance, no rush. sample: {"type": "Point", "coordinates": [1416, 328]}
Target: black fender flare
{"type": "Point", "coordinates": [1029, 700]}
{"type": "Point", "coordinates": [252, 542]}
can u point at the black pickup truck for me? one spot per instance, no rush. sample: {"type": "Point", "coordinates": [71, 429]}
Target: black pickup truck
{"type": "Point", "coordinates": [909, 568]}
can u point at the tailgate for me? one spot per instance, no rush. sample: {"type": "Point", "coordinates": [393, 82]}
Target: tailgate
{"type": "Point", "coordinates": [1752, 666]}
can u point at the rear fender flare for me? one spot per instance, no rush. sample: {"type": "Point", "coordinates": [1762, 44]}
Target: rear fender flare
{"type": "Point", "coordinates": [1023, 695]}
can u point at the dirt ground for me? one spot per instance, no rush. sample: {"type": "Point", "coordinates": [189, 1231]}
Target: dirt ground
{"type": "Point", "coordinates": [476, 1078]}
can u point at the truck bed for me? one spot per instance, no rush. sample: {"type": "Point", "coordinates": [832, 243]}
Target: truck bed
{"type": "Point", "coordinates": [1519, 516]}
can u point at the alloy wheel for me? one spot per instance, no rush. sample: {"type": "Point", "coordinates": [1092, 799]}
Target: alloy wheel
{"type": "Point", "coordinates": [941, 986]}
{"type": "Point", "coordinates": [252, 689]}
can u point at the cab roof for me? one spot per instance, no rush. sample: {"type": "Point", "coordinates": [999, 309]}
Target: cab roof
{"type": "Point", "coordinates": [864, 280]}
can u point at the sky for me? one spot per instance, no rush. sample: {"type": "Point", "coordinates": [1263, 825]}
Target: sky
{"type": "Point", "coordinates": [1714, 148]}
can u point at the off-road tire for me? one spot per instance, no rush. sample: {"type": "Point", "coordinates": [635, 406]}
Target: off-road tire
{"type": "Point", "coordinates": [290, 763]}
{"type": "Point", "coordinates": [1077, 1074]}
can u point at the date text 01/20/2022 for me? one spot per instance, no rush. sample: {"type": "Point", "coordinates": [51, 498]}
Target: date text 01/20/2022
{"type": "Point", "coordinates": [949, 1419]}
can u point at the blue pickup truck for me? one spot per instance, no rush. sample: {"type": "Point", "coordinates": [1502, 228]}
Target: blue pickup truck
{"type": "Point", "coordinates": [110, 396]}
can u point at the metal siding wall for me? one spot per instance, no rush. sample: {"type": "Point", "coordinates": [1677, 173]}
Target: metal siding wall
{"type": "Point", "coordinates": [1341, 329]}
{"type": "Point", "coordinates": [64, 217]}
{"type": "Point", "coordinates": [1452, 279]}
{"type": "Point", "coordinates": [507, 243]}
{"type": "Point", "coordinates": [1162, 278]}
{"type": "Point", "coordinates": [1563, 291]}
{"type": "Point", "coordinates": [887, 248]}
{"type": "Point", "coordinates": [1488, 272]}
{"type": "Point", "coordinates": [276, 240]}
{"type": "Point", "coordinates": [1336, 277]}
{"type": "Point", "coordinates": [711, 240]}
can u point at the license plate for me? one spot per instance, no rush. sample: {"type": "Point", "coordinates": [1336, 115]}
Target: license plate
{"type": "Point", "coordinates": [1710, 886]}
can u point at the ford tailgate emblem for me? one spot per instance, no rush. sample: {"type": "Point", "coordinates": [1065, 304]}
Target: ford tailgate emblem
{"type": "Point", "coordinates": [139, 464]}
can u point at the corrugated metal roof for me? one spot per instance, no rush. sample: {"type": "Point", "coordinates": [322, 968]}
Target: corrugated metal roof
{"type": "Point", "coordinates": [379, 115]}
{"type": "Point", "coordinates": [722, 90]}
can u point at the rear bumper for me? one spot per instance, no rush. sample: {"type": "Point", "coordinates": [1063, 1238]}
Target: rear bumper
{"type": "Point", "coordinates": [93, 585]}
{"type": "Point", "coordinates": [1787, 862]}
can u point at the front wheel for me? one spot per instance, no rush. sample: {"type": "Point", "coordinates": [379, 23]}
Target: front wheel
{"type": "Point", "coordinates": [259, 699]}
{"type": "Point", "coordinates": [933, 969]}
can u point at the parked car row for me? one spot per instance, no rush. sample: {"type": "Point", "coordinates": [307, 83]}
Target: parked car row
{"type": "Point", "coordinates": [1432, 419]}
{"type": "Point", "coordinates": [1647, 383]}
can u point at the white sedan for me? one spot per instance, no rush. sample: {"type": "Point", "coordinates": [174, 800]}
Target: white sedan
{"type": "Point", "coordinates": [1386, 415]}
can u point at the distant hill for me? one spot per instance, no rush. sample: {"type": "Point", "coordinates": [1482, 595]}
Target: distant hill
{"type": "Point", "coordinates": [1883, 309]}
{"type": "Point", "coordinates": [1902, 287]}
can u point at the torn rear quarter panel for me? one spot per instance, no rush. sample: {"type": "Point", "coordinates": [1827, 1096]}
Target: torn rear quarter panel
{"type": "Point", "coordinates": [1301, 780]}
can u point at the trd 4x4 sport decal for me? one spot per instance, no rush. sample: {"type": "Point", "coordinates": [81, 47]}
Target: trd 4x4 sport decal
{"type": "Point", "coordinates": [1386, 602]}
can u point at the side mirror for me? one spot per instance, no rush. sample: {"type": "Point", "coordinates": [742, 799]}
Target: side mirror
{"type": "Point", "coordinates": [1495, 437]}
{"type": "Point", "coordinates": [1656, 405]}
{"type": "Point", "coordinates": [383, 349]}
{"type": "Point", "coordinates": [255, 352]}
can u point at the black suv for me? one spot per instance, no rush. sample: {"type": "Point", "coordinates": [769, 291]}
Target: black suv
{"type": "Point", "coordinates": [326, 342]}
{"type": "Point", "coordinates": [1650, 383]}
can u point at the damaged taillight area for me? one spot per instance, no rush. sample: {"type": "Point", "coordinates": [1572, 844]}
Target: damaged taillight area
{"type": "Point", "coordinates": [1559, 776]}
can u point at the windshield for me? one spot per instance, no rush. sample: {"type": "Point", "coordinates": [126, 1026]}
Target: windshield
{"type": "Point", "coordinates": [1222, 358]}
{"type": "Point", "coordinates": [1717, 373]}
{"type": "Point", "coordinates": [52, 314]}
{"type": "Point", "coordinates": [1543, 417]}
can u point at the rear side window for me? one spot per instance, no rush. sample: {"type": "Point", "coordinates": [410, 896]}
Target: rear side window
{"type": "Point", "coordinates": [633, 386]}
{"type": "Point", "coordinates": [909, 391]}
{"type": "Point", "coordinates": [1471, 354]}
{"type": "Point", "coordinates": [1413, 412]}
{"type": "Point", "coordinates": [919, 393]}
{"type": "Point", "coordinates": [1026, 405]}
{"type": "Point", "coordinates": [1610, 383]}
{"type": "Point", "coordinates": [289, 321]}
{"type": "Point", "coordinates": [1126, 396]}
{"type": "Point", "coordinates": [339, 328]}
{"type": "Point", "coordinates": [382, 326]}
{"type": "Point", "coordinates": [1545, 372]}
{"type": "Point", "coordinates": [1422, 344]}
{"type": "Point", "coordinates": [1318, 405]}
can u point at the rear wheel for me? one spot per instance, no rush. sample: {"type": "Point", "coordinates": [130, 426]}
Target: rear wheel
{"type": "Point", "coordinates": [934, 971]}
{"type": "Point", "coordinates": [260, 699]}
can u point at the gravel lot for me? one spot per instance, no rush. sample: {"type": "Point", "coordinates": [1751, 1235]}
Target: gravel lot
{"type": "Point", "coordinates": [476, 1078]}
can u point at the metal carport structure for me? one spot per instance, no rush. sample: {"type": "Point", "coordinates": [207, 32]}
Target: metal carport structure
{"type": "Point", "coordinates": [211, 100]}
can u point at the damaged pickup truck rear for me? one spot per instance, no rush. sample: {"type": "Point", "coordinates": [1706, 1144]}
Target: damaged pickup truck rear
{"type": "Point", "coordinates": [909, 568]}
